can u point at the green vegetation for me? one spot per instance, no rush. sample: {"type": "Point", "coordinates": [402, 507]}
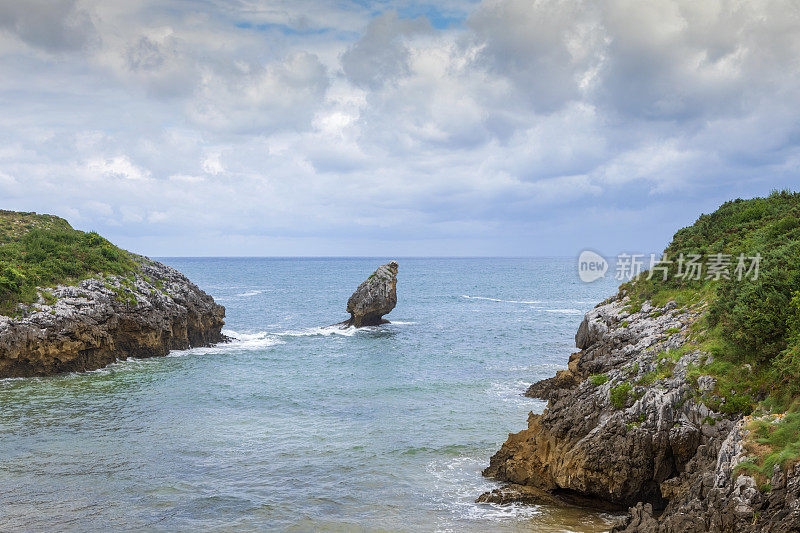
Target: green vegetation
{"type": "Point", "coordinates": [751, 328]}
{"type": "Point", "coordinates": [619, 395]}
{"type": "Point", "coordinates": [773, 442]}
{"type": "Point", "coordinates": [598, 379]}
{"type": "Point", "coordinates": [44, 251]}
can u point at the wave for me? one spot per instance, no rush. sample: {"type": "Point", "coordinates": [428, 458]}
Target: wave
{"type": "Point", "coordinates": [251, 293]}
{"type": "Point", "coordinates": [565, 311]}
{"type": "Point", "coordinates": [511, 392]}
{"type": "Point", "coordinates": [456, 483]}
{"type": "Point", "coordinates": [251, 341]}
{"type": "Point", "coordinates": [335, 329]}
{"type": "Point", "coordinates": [238, 342]}
{"type": "Point", "coordinates": [499, 300]}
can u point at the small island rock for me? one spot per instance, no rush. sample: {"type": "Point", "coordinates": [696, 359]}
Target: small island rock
{"type": "Point", "coordinates": [375, 297]}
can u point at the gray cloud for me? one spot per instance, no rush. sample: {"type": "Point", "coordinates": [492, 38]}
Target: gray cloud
{"type": "Point", "coordinates": [53, 25]}
{"type": "Point", "coordinates": [260, 99]}
{"type": "Point", "coordinates": [548, 50]}
{"type": "Point", "coordinates": [381, 54]}
{"type": "Point", "coordinates": [278, 127]}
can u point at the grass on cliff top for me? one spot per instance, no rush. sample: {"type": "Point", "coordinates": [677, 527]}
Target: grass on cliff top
{"type": "Point", "coordinates": [752, 325]}
{"type": "Point", "coordinates": [44, 250]}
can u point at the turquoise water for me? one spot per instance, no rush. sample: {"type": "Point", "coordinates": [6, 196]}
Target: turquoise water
{"type": "Point", "coordinates": [296, 427]}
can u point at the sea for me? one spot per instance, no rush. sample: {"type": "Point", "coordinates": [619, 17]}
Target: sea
{"type": "Point", "coordinates": [295, 425]}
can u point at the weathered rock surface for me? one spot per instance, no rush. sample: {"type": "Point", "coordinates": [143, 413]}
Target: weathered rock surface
{"type": "Point", "coordinates": [624, 425]}
{"type": "Point", "coordinates": [375, 297]}
{"type": "Point", "coordinates": [707, 496]}
{"type": "Point", "coordinates": [109, 318]}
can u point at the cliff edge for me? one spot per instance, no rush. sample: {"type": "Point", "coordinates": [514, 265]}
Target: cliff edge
{"type": "Point", "coordinates": [71, 301]}
{"type": "Point", "coordinates": [681, 405]}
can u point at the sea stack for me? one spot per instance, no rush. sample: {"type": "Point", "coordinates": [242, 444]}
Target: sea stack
{"type": "Point", "coordinates": [375, 297]}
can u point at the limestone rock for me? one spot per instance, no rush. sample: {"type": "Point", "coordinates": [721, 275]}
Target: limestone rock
{"type": "Point", "coordinates": [104, 319]}
{"type": "Point", "coordinates": [375, 297]}
{"type": "Point", "coordinates": [655, 447]}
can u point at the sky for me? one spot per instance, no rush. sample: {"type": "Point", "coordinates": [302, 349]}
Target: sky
{"type": "Point", "coordinates": [395, 128]}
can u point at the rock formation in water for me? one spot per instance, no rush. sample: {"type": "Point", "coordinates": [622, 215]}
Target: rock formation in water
{"type": "Point", "coordinates": [106, 318]}
{"type": "Point", "coordinates": [72, 301]}
{"type": "Point", "coordinates": [375, 297]}
{"type": "Point", "coordinates": [626, 425]}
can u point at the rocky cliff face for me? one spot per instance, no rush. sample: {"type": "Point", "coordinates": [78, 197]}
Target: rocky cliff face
{"type": "Point", "coordinates": [375, 297]}
{"type": "Point", "coordinates": [100, 320]}
{"type": "Point", "coordinates": [625, 425]}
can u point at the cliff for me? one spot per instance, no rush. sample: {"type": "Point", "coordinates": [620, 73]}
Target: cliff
{"type": "Point", "coordinates": [666, 410]}
{"type": "Point", "coordinates": [117, 305]}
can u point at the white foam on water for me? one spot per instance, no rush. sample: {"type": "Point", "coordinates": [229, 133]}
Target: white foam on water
{"type": "Point", "coordinates": [131, 363]}
{"type": "Point", "coordinates": [335, 329]}
{"type": "Point", "coordinates": [401, 323]}
{"type": "Point", "coordinates": [239, 342]}
{"type": "Point", "coordinates": [565, 311]}
{"type": "Point", "coordinates": [251, 341]}
{"type": "Point", "coordinates": [251, 293]}
{"type": "Point", "coordinates": [528, 368]}
{"type": "Point", "coordinates": [511, 392]}
{"type": "Point", "coordinates": [458, 481]}
{"type": "Point", "coordinates": [499, 300]}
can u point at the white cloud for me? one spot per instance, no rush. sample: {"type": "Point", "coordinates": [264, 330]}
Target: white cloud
{"type": "Point", "coordinates": [212, 164]}
{"type": "Point", "coordinates": [312, 120]}
{"type": "Point", "coordinates": [118, 167]}
{"type": "Point", "coordinates": [261, 99]}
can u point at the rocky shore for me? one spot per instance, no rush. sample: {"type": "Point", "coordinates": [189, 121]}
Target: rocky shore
{"type": "Point", "coordinates": [147, 313]}
{"type": "Point", "coordinates": [627, 426]}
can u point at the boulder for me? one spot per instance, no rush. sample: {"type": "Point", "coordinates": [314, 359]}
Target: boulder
{"type": "Point", "coordinates": [375, 297]}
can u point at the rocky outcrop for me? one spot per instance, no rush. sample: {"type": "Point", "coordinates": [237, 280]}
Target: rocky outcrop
{"type": "Point", "coordinates": [625, 425]}
{"type": "Point", "coordinates": [375, 297]}
{"type": "Point", "coordinates": [709, 496]}
{"type": "Point", "coordinates": [107, 318]}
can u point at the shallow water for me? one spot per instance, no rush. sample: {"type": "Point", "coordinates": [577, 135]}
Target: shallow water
{"type": "Point", "coordinates": [298, 427]}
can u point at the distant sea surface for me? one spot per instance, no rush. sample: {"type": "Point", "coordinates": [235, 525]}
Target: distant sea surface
{"type": "Point", "coordinates": [297, 427]}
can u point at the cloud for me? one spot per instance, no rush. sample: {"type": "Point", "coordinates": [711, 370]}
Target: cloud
{"type": "Point", "coordinates": [508, 126]}
{"type": "Point", "coordinates": [119, 167]}
{"type": "Point", "coordinates": [51, 25]}
{"type": "Point", "coordinates": [684, 60]}
{"type": "Point", "coordinates": [261, 99]}
{"type": "Point", "coordinates": [381, 55]}
{"type": "Point", "coordinates": [548, 50]}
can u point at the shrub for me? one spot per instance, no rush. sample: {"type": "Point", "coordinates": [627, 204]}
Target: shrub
{"type": "Point", "coordinates": [619, 395]}
{"type": "Point", "coordinates": [42, 251]}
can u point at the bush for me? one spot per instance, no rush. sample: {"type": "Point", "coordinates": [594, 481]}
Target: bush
{"type": "Point", "coordinates": [755, 315]}
{"type": "Point", "coordinates": [41, 251]}
{"type": "Point", "coordinates": [752, 321]}
{"type": "Point", "coordinates": [619, 395]}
